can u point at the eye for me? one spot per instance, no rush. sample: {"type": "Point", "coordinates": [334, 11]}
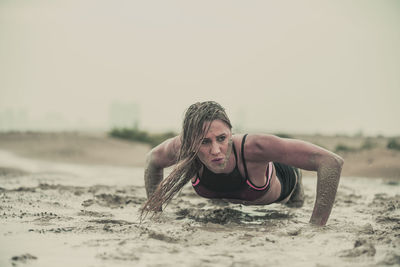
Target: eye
{"type": "Point", "coordinates": [205, 141]}
{"type": "Point", "coordinates": [221, 138]}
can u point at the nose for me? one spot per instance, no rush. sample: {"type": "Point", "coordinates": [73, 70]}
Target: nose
{"type": "Point", "coordinates": [215, 149]}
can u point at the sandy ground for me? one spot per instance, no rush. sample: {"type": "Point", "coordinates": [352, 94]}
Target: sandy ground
{"type": "Point", "coordinates": [81, 208]}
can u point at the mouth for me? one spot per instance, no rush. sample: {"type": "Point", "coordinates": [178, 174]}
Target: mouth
{"type": "Point", "coordinates": [218, 160]}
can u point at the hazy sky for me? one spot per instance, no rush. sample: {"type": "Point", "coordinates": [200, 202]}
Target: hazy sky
{"type": "Point", "coordinates": [287, 66]}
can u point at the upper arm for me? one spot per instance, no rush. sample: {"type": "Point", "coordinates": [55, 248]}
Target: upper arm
{"type": "Point", "coordinates": [166, 153]}
{"type": "Point", "coordinates": [292, 152]}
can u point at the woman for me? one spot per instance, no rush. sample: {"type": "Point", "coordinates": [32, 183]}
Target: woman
{"type": "Point", "coordinates": [261, 171]}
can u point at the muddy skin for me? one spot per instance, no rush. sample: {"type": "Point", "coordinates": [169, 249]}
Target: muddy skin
{"type": "Point", "coordinates": [327, 184]}
{"type": "Point", "coordinates": [152, 176]}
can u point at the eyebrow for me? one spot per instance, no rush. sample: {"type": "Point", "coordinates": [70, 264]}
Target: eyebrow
{"type": "Point", "coordinates": [223, 134]}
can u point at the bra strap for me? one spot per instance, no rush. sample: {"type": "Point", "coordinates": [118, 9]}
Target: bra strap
{"type": "Point", "coordinates": [234, 152]}
{"type": "Point", "coordinates": [243, 160]}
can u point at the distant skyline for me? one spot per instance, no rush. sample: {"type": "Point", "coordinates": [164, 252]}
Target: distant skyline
{"type": "Point", "coordinates": [329, 67]}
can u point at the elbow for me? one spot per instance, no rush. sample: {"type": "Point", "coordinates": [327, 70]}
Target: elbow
{"type": "Point", "coordinates": [331, 160]}
{"type": "Point", "coordinates": [339, 164]}
{"type": "Point", "coordinates": [150, 156]}
{"type": "Point", "coordinates": [336, 162]}
{"type": "Point", "coordinates": [339, 161]}
{"type": "Point", "coordinates": [153, 158]}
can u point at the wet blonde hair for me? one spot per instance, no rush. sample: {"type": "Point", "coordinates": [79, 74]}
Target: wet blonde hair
{"type": "Point", "coordinates": [188, 164]}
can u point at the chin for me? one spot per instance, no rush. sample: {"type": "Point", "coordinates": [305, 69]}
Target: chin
{"type": "Point", "coordinates": [218, 168]}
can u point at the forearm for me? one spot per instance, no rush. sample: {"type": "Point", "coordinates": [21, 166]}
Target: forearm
{"type": "Point", "coordinates": [327, 184]}
{"type": "Point", "coordinates": [152, 176]}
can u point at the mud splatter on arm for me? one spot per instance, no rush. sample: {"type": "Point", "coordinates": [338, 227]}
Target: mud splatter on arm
{"type": "Point", "coordinates": [152, 176]}
{"type": "Point", "coordinates": [160, 157]}
{"type": "Point", "coordinates": [328, 175]}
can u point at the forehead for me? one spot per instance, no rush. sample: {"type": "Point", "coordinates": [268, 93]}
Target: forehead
{"type": "Point", "coordinates": [217, 127]}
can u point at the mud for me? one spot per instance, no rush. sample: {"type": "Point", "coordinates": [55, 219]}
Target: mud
{"type": "Point", "coordinates": [74, 216]}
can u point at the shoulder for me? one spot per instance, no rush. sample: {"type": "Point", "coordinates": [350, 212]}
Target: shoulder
{"type": "Point", "coordinates": [260, 146]}
{"type": "Point", "coordinates": [165, 154]}
{"type": "Point", "coordinates": [294, 152]}
{"type": "Point", "coordinates": [257, 141]}
{"type": "Point", "coordinates": [240, 139]}
{"type": "Point", "coordinates": [170, 145]}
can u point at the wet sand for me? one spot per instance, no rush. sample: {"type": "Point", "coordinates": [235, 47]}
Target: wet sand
{"type": "Point", "coordinates": [55, 213]}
